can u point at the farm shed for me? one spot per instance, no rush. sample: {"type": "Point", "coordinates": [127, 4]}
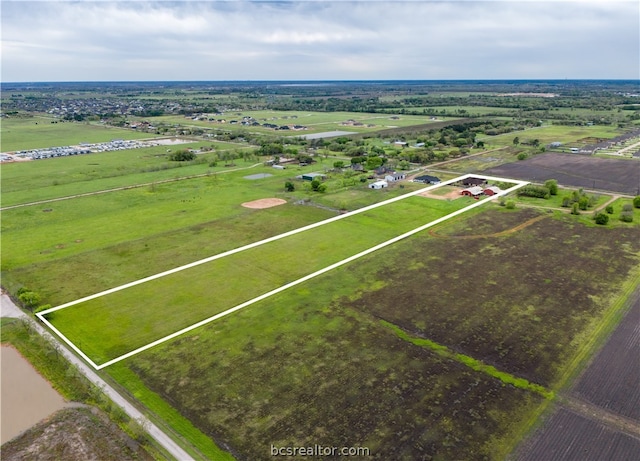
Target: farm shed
{"type": "Point", "coordinates": [427, 179]}
{"type": "Point", "coordinates": [312, 176]}
{"type": "Point", "coordinates": [492, 190]}
{"type": "Point", "coordinates": [393, 177]}
{"type": "Point", "coordinates": [378, 185]}
{"type": "Point", "coordinates": [473, 191]}
{"type": "Point", "coordinates": [471, 181]}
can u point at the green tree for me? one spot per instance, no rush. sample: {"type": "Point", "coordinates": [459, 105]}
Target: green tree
{"type": "Point", "coordinates": [609, 209]}
{"type": "Point", "coordinates": [289, 186]}
{"type": "Point", "coordinates": [338, 164]}
{"type": "Point", "coordinates": [29, 299]}
{"type": "Point", "coordinates": [516, 141]}
{"type": "Point", "coordinates": [374, 162]}
{"type": "Point", "coordinates": [522, 156]}
{"type": "Point", "coordinates": [636, 201]}
{"type": "Point", "coordinates": [601, 218]}
{"type": "Point", "coordinates": [552, 185]}
{"type": "Point", "coordinates": [574, 208]}
{"type": "Point", "coordinates": [583, 203]}
{"type": "Point", "coordinates": [182, 155]}
{"type": "Point", "coordinates": [626, 216]}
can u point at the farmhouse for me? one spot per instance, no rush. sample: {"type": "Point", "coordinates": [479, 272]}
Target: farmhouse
{"type": "Point", "coordinates": [393, 177]}
{"type": "Point", "coordinates": [472, 191]}
{"type": "Point", "coordinates": [492, 190]}
{"type": "Point", "coordinates": [427, 179]}
{"type": "Point", "coordinates": [471, 181]}
{"type": "Point", "coordinates": [378, 185]}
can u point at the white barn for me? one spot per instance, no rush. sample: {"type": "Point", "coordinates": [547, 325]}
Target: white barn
{"type": "Point", "coordinates": [378, 185]}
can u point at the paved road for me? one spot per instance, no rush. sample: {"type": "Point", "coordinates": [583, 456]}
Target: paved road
{"type": "Point", "coordinates": [9, 309]}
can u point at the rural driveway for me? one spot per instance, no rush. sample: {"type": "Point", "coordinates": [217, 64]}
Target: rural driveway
{"type": "Point", "coordinates": [9, 309]}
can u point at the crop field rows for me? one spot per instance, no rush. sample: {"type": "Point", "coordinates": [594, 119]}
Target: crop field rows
{"type": "Point", "coordinates": [570, 436]}
{"type": "Point", "coordinates": [612, 381]}
{"type": "Point", "coordinates": [113, 325]}
{"type": "Point", "coordinates": [615, 175]}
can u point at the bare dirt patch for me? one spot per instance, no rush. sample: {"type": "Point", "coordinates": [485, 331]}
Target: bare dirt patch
{"type": "Point", "coordinates": [447, 193]}
{"type": "Point", "coordinates": [74, 434]}
{"type": "Point", "coordinates": [264, 203]}
{"type": "Point", "coordinates": [615, 175]}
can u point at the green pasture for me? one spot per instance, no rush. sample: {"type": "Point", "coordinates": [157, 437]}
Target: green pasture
{"type": "Point", "coordinates": [477, 111]}
{"type": "Point", "coordinates": [555, 201]}
{"type": "Point", "coordinates": [26, 182]}
{"type": "Point", "coordinates": [316, 122]}
{"type": "Point", "coordinates": [117, 323]}
{"type": "Point", "coordinates": [96, 221]}
{"type": "Point", "coordinates": [614, 218]}
{"type": "Point", "coordinates": [40, 131]}
{"type": "Point", "coordinates": [85, 270]}
{"type": "Point", "coordinates": [551, 133]}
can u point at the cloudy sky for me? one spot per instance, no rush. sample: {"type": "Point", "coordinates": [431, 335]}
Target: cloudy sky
{"type": "Point", "coordinates": [319, 40]}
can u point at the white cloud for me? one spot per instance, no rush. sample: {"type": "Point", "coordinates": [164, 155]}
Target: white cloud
{"type": "Point", "coordinates": [318, 40]}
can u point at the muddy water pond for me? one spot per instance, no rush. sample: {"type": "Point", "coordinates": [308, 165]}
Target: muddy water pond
{"type": "Point", "coordinates": [25, 397]}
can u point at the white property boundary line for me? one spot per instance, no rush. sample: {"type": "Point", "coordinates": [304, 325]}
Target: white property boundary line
{"type": "Point", "coordinates": [40, 315]}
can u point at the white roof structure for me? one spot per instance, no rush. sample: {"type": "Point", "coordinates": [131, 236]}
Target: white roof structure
{"type": "Point", "coordinates": [475, 190]}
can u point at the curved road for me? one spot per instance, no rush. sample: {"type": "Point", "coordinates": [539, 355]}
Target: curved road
{"type": "Point", "coordinates": [9, 309]}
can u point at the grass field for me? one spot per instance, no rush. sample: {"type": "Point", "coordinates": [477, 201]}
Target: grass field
{"type": "Point", "coordinates": [552, 133]}
{"type": "Point", "coordinates": [117, 323]}
{"type": "Point", "coordinates": [316, 122]}
{"type": "Point", "coordinates": [25, 182]}
{"type": "Point", "coordinates": [42, 131]}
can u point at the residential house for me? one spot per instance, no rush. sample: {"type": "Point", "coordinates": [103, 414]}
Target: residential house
{"type": "Point", "coordinates": [471, 181]}
{"type": "Point", "coordinates": [427, 179]}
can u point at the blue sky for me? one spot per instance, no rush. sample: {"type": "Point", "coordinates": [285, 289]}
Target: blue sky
{"type": "Point", "coordinates": [319, 40]}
